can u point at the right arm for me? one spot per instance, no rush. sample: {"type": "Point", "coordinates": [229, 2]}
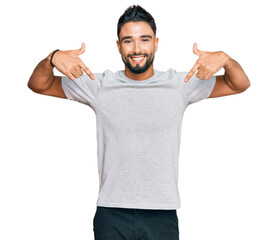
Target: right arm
{"type": "Point", "coordinates": [43, 81]}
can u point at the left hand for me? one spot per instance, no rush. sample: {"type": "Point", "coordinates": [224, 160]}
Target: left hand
{"type": "Point", "coordinates": [207, 64]}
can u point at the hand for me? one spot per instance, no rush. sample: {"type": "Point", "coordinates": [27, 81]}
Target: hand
{"type": "Point", "coordinates": [69, 64]}
{"type": "Point", "coordinates": [207, 64]}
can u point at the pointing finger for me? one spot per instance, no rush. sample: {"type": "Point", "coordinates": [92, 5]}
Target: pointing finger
{"type": "Point", "coordinates": [87, 70]}
{"type": "Point", "coordinates": [192, 71]}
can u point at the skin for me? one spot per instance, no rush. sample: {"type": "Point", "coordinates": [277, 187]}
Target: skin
{"type": "Point", "coordinates": [133, 41]}
{"type": "Point", "coordinates": [232, 82]}
{"type": "Point", "coordinates": [137, 38]}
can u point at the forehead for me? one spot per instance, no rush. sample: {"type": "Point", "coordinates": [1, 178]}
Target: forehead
{"type": "Point", "coordinates": [136, 29]}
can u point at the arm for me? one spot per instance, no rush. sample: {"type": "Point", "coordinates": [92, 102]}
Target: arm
{"type": "Point", "coordinates": [43, 80]}
{"type": "Point", "coordinates": [232, 82]}
{"type": "Point", "coordinates": [42, 77]}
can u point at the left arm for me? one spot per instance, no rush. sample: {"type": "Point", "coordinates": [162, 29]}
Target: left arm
{"type": "Point", "coordinates": [232, 82]}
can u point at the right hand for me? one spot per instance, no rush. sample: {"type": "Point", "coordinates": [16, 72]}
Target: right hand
{"type": "Point", "coordinates": [69, 64]}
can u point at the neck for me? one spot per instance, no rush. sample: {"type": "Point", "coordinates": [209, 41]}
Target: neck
{"type": "Point", "coordinates": [141, 76]}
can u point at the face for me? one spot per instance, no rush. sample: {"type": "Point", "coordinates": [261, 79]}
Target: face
{"type": "Point", "coordinates": [137, 46]}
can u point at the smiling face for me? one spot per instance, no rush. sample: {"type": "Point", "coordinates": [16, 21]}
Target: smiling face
{"type": "Point", "coordinates": [137, 45]}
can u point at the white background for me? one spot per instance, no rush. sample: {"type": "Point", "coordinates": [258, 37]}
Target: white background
{"type": "Point", "coordinates": [228, 155]}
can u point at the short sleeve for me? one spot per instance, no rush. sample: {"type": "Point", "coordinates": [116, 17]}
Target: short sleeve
{"type": "Point", "coordinates": [82, 89]}
{"type": "Point", "coordinates": [201, 89]}
{"type": "Point", "coordinates": [196, 89]}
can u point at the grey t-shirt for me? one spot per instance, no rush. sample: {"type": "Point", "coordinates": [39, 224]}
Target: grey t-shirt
{"type": "Point", "coordinates": [138, 133]}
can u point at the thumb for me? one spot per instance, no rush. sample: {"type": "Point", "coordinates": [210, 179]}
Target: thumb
{"type": "Point", "coordinates": [82, 49]}
{"type": "Point", "coordinates": [196, 50]}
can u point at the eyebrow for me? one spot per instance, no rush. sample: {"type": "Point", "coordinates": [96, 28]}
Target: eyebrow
{"type": "Point", "coordinates": [129, 37]}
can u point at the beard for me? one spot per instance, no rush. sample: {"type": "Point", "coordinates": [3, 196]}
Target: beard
{"type": "Point", "coordinates": [137, 69]}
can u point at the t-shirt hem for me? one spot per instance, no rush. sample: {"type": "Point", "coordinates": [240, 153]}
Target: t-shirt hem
{"type": "Point", "coordinates": [139, 205]}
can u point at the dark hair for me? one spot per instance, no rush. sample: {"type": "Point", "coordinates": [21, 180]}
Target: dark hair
{"type": "Point", "coordinates": [136, 13]}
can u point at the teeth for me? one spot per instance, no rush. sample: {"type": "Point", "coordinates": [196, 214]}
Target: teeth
{"type": "Point", "coordinates": [137, 58]}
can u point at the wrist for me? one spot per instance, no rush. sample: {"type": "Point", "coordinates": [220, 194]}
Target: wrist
{"type": "Point", "coordinates": [227, 59]}
{"type": "Point", "coordinates": [47, 61]}
{"type": "Point", "coordinates": [48, 58]}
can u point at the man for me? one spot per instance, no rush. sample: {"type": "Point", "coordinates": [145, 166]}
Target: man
{"type": "Point", "coordinates": [139, 113]}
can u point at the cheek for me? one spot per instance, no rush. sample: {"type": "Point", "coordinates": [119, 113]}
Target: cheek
{"type": "Point", "coordinates": [126, 50]}
{"type": "Point", "coordinates": [152, 47]}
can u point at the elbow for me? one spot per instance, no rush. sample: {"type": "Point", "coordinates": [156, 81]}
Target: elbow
{"type": "Point", "coordinates": [30, 86]}
{"type": "Point", "coordinates": [245, 86]}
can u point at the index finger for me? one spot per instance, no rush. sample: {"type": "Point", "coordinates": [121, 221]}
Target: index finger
{"type": "Point", "coordinates": [192, 71]}
{"type": "Point", "coordinates": [87, 70]}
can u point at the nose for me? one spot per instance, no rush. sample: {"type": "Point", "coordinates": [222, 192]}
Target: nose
{"type": "Point", "coordinates": [136, 47]}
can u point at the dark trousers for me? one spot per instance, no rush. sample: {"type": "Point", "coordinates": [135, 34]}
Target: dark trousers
{"type": "Point", "coordinates": [135, 224]}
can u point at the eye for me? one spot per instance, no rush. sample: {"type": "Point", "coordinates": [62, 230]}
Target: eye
{"type": "Point", "coordinates": [145, 40]}
{"type": "Point", "coordinates": [127, 41]}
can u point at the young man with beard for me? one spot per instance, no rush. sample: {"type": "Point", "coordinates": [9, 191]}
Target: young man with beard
{"type": "Point", "coordinates": [139, 113]}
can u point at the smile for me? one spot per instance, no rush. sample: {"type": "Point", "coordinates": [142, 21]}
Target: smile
{"type": "Point", "coordinates": [138, 59]}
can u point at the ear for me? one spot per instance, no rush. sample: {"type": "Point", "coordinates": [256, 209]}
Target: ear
{"type": "Point", "coordinates": [156, 43]}
{"type": "Point", "coordinates": [119, 46]}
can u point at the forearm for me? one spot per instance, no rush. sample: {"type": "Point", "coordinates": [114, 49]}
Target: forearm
{"type": "Point", "coordinates": [42, 76]}
{"type": "Point", "coordinates": [235, 76]}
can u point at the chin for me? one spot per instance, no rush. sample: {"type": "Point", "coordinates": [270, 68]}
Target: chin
{"type": "Point", "coordinates": [138, 71]}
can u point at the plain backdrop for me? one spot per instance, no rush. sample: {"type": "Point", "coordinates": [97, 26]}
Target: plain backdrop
{"type": "Point", "coordinates": [228, 166]}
